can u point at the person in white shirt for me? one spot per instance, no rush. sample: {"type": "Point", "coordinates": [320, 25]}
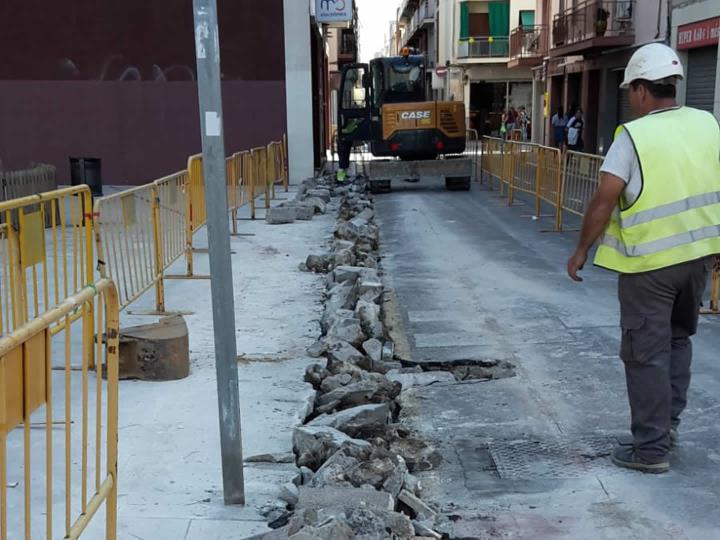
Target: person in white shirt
{"type": "Point", "coordinates": [574, 132]}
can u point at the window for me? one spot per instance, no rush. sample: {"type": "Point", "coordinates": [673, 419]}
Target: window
{"type": "Point", "coordinates": [353, 92]}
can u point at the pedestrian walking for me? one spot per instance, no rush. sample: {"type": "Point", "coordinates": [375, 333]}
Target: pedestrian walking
{"type": "Point", "coordinates": [523, 122]}
{"type": "Point", "coordinates": [559, 121]}
{"type": "Point", "coordinates": [575, 132]}
{"type": "Point", "coordinates": [658, 207]}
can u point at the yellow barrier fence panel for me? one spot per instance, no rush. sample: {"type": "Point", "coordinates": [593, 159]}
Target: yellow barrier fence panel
{"type": "Point", "coordinates": [272, 168]}
{"type": "Point", "coordinates": [286, 172]}
{"type": "Point", "coordinates": [196, 192]}
{"type": "Point", "coordinates": [492, 160]}
{"type": "Point", "coordinates": [127, 242]}
{"type": "Point", "coordinates": [46, 252]}
{"type": "Point", "coordinates": [231, 175]}
{"type": "Point", "coordinates": [472, 151]}
{"type": "Point", "coordinates": [250, 176]}
{"type": "Point", "coordinates": [30, 393]}
{"type": "Point", "coordinates": [260, 170]}
{"type": "Point", "coordinates": [139, 233]}
{"type": "Point", "coordinates": [581, 179]}
{"type": "Point", "coordinates": [549, 181]}
{"type": "Point", "coordinates": [265, 176]}
{"type": "Point", "coordinates": [714, 307]}
{"type": "Point", "coordinates": [524, 169]}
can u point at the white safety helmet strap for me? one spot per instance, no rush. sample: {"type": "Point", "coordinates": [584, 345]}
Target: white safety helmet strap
{"type": "Point", "coordinates": [653, 62]}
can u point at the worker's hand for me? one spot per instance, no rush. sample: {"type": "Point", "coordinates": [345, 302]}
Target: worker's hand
{"type": "Point", "coordinates": [575, 264]}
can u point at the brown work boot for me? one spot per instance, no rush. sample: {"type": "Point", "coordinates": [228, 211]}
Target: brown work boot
{"type": "Point", "coordinates": [627, 457]}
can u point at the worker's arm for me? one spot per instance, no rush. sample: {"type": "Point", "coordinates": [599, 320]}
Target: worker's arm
{"type": "Point", "coordinates": [595, 221]}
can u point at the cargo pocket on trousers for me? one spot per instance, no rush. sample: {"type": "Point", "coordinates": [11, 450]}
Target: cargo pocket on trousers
{"type": "Point", "coordinates": [635, 340]}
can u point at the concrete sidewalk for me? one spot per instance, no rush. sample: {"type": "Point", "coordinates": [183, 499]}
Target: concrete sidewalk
{"type": "Point", "coordinates": [528, 456]}
{"type": "Point", "coordinates": [170, 481]}
{"type": "Point", "coordinates": [170, 470]}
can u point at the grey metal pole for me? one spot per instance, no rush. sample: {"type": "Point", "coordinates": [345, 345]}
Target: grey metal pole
{"type": "Point", "coordinates": [207, 51]}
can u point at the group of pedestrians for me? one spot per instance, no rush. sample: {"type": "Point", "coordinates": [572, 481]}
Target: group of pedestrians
{"type": "Point", "coordinates": [568, 130]}
{"type": "Point", "coordinates": [515, 119]}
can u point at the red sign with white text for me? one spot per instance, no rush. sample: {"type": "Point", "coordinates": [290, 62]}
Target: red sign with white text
{"type": "Point", "coordinates": [699, 34]}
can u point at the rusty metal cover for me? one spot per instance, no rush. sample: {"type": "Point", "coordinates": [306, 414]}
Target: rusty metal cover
{"type": "Point", "coordinates": [155, 352]}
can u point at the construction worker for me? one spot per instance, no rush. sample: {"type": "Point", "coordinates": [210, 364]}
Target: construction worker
{"type": "Point", "coordinates": [658, 205]}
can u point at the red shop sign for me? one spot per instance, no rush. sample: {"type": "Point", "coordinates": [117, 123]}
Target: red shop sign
{"type": "Point", "coordinates": [699, 34]}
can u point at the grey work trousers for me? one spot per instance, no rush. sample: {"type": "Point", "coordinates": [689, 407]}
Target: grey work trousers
{"type": "Point", "coordinates": [659, 311]}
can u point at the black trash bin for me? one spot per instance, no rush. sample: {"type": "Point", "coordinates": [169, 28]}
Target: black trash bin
{"type": "Point", "coordinates": [87, 171]}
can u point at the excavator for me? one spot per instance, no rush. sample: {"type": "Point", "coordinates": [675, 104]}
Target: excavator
{"type": "Point", "coordinates": [384, 104]}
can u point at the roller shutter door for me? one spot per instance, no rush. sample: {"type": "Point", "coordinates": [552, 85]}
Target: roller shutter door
{"type": "Point", "coordinates": [624, 112]}
{"type": "Point", "coordinates": [701, 76]}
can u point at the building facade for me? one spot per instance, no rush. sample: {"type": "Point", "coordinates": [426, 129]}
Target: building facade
{"type": "Point", "coordinates": [474, 57]}
{"type": "Point", "coordinates": [695, 33]}
{"type": "Point", "coordinates": [590, 44]}
{"type": "Point", "coordinates": [116, 81]}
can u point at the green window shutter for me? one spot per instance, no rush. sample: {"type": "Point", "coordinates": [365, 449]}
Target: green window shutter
{"type": "Point", "coordinates": [527, 19]}
{"type": "Point", "coordinates": [464, 20]}
{"type": "Point", "coordinates": [499, 14]}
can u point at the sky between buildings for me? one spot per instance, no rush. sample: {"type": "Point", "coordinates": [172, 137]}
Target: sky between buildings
{"type": "Point", "coordinates": [375, 17]}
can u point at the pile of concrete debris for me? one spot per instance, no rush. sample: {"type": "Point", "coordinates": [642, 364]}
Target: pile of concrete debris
{"type": "Point", "coordinates": [355, 462]}
{"type": "Point", "coordinates": [311, 198]}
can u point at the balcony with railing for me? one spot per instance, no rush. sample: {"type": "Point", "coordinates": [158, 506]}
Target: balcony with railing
{"type": "Point", "coordinates": [528, 45]}
{"type": "Point", "coordinates": [593, 25]}
{"type": "Point", "coordinates": [422, 18]}
{"type": "Point", "coordinates": [484, 47]}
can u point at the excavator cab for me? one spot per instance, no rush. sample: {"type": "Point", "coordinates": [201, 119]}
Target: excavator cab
{"type": "Point", "coordinates": [384, 103]}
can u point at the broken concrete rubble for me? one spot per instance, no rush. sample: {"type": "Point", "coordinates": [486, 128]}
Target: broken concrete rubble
{"type": "Point", "coordinates": [280, 215]}
{"type": "Point", "coordinates": [347, 329]}
{"type": "Point", "coordinates": [354, 465]}
{"type": "Point", "coordinates": [373, 348]}
{"type": "Point", "coordinates": [319, 264]}
{"type": "Point", "coordinates": [369, 314]}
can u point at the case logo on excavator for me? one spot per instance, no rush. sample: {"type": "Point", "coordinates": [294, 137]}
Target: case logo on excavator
{"type": "Point", "coordinates": [415, 115]}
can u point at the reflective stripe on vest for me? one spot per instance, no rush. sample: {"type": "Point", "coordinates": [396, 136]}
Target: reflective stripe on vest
{"type": "Point", "coordinates": [691, 203]}
{"type": "Point", "coordinates": [676, 217]}
{"type": "Point", "coordinates": [656, 246]}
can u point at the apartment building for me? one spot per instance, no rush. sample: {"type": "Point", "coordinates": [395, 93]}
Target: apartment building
{"type": "Point", "coordinates": [474, 44]}
{"type": "Point", "coordinates": [590, 43]}
{"type": "Point", "coordinates": [417, 22]}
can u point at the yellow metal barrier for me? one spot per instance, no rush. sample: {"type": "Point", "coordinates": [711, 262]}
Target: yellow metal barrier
{"type": "Point", "coordinates": [139, 233]}
{"type": "Point", "coordinates": [714, 308]}
{"type": "Point", "coordinates": [29, 394]}
{"type": "Point", "coordinates": [260, 173]}
{"type": "Point", "coordinates": [523, 169]}
{"type": "Point", "coordinates": [549, 185]}
{"type": "Point", "coordinates": [472, 150]}
{"type": "Point", "coordinates": [581, 178]}
{"type": "Point", "coordinates": [195, 194]}
{"type": "Point", "coordinates": [492, 160]}
{"type": "Point", "coordinates": [46, 252]}
{"type": "Point", "coordinates": [284, 154]}
{"type": "Point", "coordinates": [234, 185]}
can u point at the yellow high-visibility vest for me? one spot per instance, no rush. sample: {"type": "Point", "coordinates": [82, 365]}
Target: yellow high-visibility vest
{"type": "Point", "coordinates": [676, 217]}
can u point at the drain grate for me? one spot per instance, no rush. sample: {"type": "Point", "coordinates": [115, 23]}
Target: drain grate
{"type": "Point", "coordinates": [526, 460]}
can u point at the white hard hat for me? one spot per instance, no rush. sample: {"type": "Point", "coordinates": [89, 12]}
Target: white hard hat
{"type": "Point", "coordinates": [653, 62]}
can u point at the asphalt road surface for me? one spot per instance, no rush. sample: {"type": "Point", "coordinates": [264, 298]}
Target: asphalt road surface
{"type": "Point", "coordinates": [528, 456]}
